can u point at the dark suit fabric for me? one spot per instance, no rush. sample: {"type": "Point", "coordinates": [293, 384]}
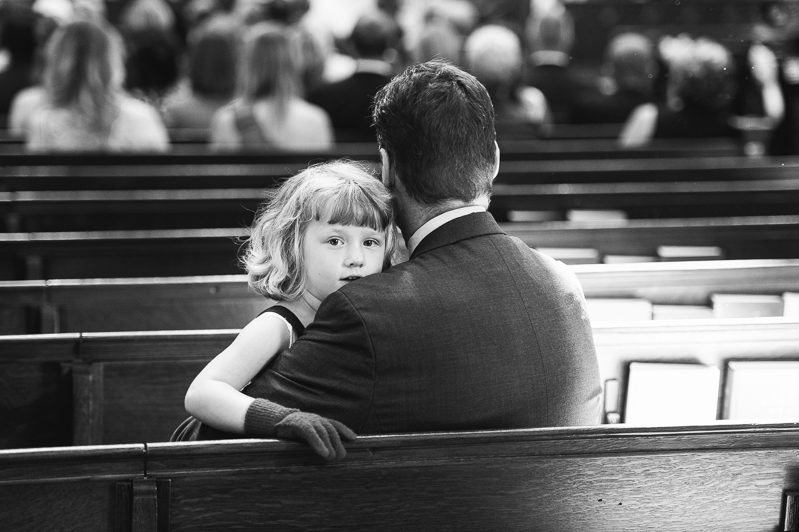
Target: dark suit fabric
{"type": "Point", "coordinates": [349, 102]}
{"type": "Point", "coordinates": [475, 331]}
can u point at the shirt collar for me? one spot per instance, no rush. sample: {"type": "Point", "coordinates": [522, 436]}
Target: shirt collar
{"type": "Point", "coordinates": [434, 223]}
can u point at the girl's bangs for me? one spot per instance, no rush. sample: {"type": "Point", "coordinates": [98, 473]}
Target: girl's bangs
{"type": "Point", "coordinates": [351, 206]}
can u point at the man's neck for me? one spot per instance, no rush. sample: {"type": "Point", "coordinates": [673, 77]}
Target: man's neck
{"type": "Point", "coordinates": [414, 215]}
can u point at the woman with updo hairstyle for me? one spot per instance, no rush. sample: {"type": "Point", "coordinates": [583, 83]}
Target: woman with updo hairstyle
{"type": "Point", "coordinates": [86, 108]}
{"type": "Point", "coordinates": [269, 112]}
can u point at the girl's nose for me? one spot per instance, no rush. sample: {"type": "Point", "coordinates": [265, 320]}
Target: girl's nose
{"type": "Point", "coordinates": [354, 256]}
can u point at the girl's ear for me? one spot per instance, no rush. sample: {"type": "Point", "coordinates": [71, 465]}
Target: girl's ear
{"type": "Point", "coordinates": [387, 174]}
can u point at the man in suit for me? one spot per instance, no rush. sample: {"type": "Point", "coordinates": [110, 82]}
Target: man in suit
{"type": "Point", "coordinates": [349, 101]}
{"type": "Point", "coordinates": [475, 331]}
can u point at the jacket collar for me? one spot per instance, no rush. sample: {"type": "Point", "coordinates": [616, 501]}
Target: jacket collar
{"type": "Point", "coordinates": [462, 228]}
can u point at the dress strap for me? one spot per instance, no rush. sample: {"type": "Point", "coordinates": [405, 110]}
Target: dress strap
{"type": "Point", "coordinates": [295, 326]}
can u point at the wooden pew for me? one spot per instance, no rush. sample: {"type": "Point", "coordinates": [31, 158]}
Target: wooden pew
{"type": "Point", "coordinates": [36, 394]}
{"type": "Point", "coordinates": [224, 301]}
{"type": "Point", "coordinates": [214, 251]}
{"type": "Point", "coordinates": [610, 478]}
{"type": "Point", "coordinates": [79, 488]}
{"type": "Point", "coordinates": [714, 477]}
{"type": "Point", "coordinates": [129, 387]}
{"type": "Point", "coordinates": [71, 255]}
{"type": "Point", "coordinates": [226, 195]}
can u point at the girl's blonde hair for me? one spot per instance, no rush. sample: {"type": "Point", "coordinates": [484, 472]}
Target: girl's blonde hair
{"type": "Point", "coordinates": [269, 65]}
{"type": "Point", "coordinates": [338, 192]}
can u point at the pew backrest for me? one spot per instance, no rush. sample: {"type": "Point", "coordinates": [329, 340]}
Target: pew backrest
{"type": "Point", "coordinates": [162, 253]}
{"type": "Point", "coordinates": [224, 301]}
{"type": "Point", "coordinates": [129, 387]}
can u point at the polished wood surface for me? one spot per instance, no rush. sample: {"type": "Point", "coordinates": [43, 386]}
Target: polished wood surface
{"type": "Point", "coordinates": [129, 387]}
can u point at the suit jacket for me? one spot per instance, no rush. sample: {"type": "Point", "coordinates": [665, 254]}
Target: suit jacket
{"type": "Point", "coordinates": [475, 331]}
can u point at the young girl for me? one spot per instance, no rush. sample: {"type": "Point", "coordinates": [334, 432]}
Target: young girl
{"type": "Point", "coordinates": [323, 228]}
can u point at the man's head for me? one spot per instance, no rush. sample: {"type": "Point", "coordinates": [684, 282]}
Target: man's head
{"type": "Point", "coordinates": [435, 122]}
{"type": "Point", "coordinates": [374, 34]}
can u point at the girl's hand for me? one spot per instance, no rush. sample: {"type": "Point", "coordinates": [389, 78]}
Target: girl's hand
{"type": "Point", "coordinates": [322, 434]}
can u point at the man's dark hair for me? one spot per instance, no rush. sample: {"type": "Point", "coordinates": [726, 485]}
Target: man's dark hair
{"type": "Point", "coordinates": [374, 33]}
{"type": "Point", "coordinates": [437, 124]}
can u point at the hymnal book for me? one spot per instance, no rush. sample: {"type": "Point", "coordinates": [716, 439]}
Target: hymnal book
{"type": "Point", "coordinates": [681, 312]}
{"type": "Point", "coordinates": [608, 309]}
{"type": "Point", "coordinates": [671, 394]}
{"type": "Point", "coordinates": [572, 255]}
{"type": "Point", "coordinates": [679, 253]}
{"type": "Point", "coordinates": [534, 216]}
{"type": "Point", "coordinates": [596, 215]}
{"type": "Point", "coordinates": [760, 390]}
{"type": "Point", "coordinates": [626, 259]}
{"type": "Point", "coordinates": [790, 301]}
{"type": "Point", "coordinates": [746, 305]}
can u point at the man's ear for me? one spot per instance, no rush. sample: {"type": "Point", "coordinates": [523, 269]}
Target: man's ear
{"type": "Point", "coordinates": [387, 173]}
{"type": "Point", "coordinates": [496, 161]}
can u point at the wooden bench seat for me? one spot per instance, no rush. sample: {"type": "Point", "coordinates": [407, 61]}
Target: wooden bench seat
{"type": "Point", "coordinates": [129, 387]}
{"type": "Point", "coordinates": [607, 478]}
{"type": "Point", "coordinates": [224, 301]}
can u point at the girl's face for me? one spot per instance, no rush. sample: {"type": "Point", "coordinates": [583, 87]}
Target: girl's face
{"type": "Point", "coordinates": [335, 255]}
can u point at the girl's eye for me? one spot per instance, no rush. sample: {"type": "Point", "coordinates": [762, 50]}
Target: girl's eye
{"type": "Point", "coordinates": [335, 241]}
{"type": "Point", "coordinates": [371, 242]}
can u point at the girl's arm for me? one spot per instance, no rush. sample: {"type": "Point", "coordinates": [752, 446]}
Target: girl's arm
{"type": "Point", "coordinates": [214, 396]}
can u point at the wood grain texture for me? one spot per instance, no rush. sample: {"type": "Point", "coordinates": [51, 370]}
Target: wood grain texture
{"type": "Point", "coordinates": [224, 301]}
{"type": "Point", "coordinates": [721, 477]}
{"type": "Point", "coordinates": [70, 489]}
{"type": "Point", "coordinates": [144, 375]}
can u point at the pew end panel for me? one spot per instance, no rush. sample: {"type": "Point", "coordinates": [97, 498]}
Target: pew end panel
{"type": "Point", "coordinates": [129, 387]}
{"type": "Point", "coordinates": [69, 489]}
{"type": "Point", "coordinates": [22, 307]}
{"type": "Point", "coordinates": [36, 390]}
{"type": "Point", "coordinates": [600, 478]}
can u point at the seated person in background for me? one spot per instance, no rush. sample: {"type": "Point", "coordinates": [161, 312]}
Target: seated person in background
{"type": "Point", "coordinates": [348, 102]}
{"type": "Point", "coordinates": [550, 36]}
{"type": "Point", "coordinates": [18, 38]}
{"type": "Point", "coordinates": [476, 331]}
{"type": "Point", "coordinates": [212, 81]}
{"type": "Point", "coordinates": [630, 70]}
{"type": "Point", "coordinates": [85, 107]}
{"type": "Point", "coordinates": [152, 50]}
{"type": "Point", "coordinates": [444, 30]}
{"type": "Point", "coordinates": [494, 56]}
{"type": "Point", "coordinates": [269, 113]}
{"type": "Point", "coordinates": [700, 90]}
{"type": "Point", "coordinates": [323, 228]}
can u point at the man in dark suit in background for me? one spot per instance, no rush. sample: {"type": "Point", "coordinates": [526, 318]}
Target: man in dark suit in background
{"type": "Point", "coordinates": [475, 331]}
{"type": "Point", "coordinates": [349, 101]}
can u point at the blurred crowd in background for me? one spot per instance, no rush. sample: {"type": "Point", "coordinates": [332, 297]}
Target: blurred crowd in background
{"type": "Point", "coordinates": [273, 74]}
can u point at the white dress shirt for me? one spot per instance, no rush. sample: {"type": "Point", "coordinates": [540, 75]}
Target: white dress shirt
{"type": "Point", "coordinates": [438, 221]}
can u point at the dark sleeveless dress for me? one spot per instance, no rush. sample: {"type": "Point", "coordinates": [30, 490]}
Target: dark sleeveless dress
{"type": "Point", "coordinates": [193, 429]}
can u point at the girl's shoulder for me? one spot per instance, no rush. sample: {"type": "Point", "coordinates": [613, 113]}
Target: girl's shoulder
{"type": "Point", "coordinates": [292, 320]}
